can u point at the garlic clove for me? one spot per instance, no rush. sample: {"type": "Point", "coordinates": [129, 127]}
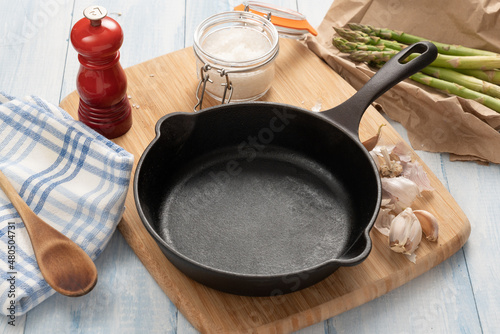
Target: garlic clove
{"type": "Point", "coordinates": [415, 236]}
{"type": "Point", "coordinates": [405, 233]}
{"type": "Point", "coordinates": [401, 190]}
{"type": "Point", "coordinates": [370, 143]}
{"type": "Point", "coordinates": [398, 234]}
{"type": "Point", "coordinates": [428, 223]}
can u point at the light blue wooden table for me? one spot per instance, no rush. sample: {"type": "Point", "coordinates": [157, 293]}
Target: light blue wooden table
{"type": "Point", "coordinates": [461, 295]}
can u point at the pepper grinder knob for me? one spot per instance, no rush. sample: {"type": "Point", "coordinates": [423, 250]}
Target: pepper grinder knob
{"type": "Point", "coordinates": [101, 81]}
{"type": "Point", "coordinates": [95, 14]}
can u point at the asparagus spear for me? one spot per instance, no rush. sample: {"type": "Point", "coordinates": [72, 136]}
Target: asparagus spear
{"type": "Point", "coordinates": [360, 37]}
{"type": "Point", "coordinates": [492, 76]}
{"type": "Point", "coordinates": [346, 46]}
{"type": "Point", "coordinates": [402, 37]}
{"type": "Point", "coordinates": [357, 36]}
{"type": "Point", "coordinates": [464, 80]}
{"type": "Point", "coordinates": [372, 56]}
{"type": "Point", "coordinates": [458, 90]}
{"type": "Point", "coordinates": [454, 74]}
{"type": "Point", "coordinates": [446, 61]}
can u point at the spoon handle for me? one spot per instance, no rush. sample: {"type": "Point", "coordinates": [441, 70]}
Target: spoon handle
{"type": "Point", "coordinates": [63, 264]}
{"type": "Point", "coordinates": [18, 203]}
{"type": "Point", "coordinates": [37, 228]}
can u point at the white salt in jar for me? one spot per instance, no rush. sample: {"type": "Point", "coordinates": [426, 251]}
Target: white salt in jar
{"type": "Point", "coordinates": [235, 53]}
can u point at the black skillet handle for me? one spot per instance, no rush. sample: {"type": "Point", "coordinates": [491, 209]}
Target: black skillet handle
{"type": "Point", "coordinates": [349, 113]}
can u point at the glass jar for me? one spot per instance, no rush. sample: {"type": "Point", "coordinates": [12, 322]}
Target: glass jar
{"type": "Point", "coordinates": [235, 53]}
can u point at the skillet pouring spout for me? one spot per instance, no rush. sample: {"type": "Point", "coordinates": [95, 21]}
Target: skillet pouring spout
{"type": "Point", "coordinates": [260, 198]}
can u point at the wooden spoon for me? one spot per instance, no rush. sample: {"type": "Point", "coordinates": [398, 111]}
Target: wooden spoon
{"type": "Point", "coordinates": [64, 265]}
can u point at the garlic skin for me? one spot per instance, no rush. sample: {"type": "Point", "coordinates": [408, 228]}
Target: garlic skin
{"type": "Point", "coordinates": [405, 233]}
{"type": "Point", "coordinates": [428, 223]}
{"type": "Point", "coordinates": [416, 173]}
{"type": "Point", "coordinates": [383, 222]}
{"type": "Point", "coordinates": [370, 143]}
{"type": "Point", "coordinates": [402, 152]}
{"type": "Point", "coordinates": [374, 156]}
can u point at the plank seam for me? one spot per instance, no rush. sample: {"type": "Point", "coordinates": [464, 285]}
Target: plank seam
{"type": "Point", "coordinates": [473, 292]}
{"type": "Point", "coordinates": [443, 172]}
{"type": "Point", "coordinates": [67, 52]}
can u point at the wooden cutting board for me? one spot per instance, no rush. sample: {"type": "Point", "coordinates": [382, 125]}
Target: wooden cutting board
{"type": "Point", "coordinates": [167, 84]}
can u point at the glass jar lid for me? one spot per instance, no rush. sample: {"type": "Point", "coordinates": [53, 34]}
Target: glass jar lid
{"type": "Point", "coordinates": [289, 23]}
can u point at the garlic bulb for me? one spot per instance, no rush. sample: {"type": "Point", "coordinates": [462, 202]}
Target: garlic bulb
{"type": "Point", "coordinates": [391, 168]}
{"type": "Point", "coordinates": [405, 233]}
{"type": "Point", "coordinates": [397, 161]}
{"type": "Point", "coordinates": [429, 224]}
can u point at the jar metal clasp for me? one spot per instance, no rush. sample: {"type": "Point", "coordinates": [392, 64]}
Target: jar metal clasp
{"type": "Point", "coordinates": [247, 9]}
{"type": "Point", "coordinates": [204, 77]}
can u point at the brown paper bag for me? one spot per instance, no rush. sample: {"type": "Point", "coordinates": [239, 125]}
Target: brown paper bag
{"type": "Point", "coordinates": [436, 121]}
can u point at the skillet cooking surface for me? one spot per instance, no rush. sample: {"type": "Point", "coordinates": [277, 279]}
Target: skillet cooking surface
{"type": "Point", "coordinates": [281, 212]}
{"type": "Point", "coordinates": [224, 201]}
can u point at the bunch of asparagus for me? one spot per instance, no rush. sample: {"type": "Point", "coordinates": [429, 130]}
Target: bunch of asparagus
{"type": "Point", "coordinates": [462, 71]}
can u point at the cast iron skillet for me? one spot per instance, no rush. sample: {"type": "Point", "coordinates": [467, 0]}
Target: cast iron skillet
{"type": "Point", "coordinates": [265, 198]}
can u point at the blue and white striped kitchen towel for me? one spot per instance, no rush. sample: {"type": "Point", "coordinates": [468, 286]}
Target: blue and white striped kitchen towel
{"type": "Point", "coordinates": [72, 177]}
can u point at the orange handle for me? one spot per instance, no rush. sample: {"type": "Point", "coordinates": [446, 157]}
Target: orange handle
{"type": "Point", "coordinates": [282, 21]}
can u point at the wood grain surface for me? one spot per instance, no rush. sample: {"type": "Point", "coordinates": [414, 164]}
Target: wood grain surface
{"type": "Point", "coordinates": [158, 88]}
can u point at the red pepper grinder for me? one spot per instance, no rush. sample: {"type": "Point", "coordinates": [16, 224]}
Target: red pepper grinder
{"type": "Point", "coordinates": [101, 81]}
